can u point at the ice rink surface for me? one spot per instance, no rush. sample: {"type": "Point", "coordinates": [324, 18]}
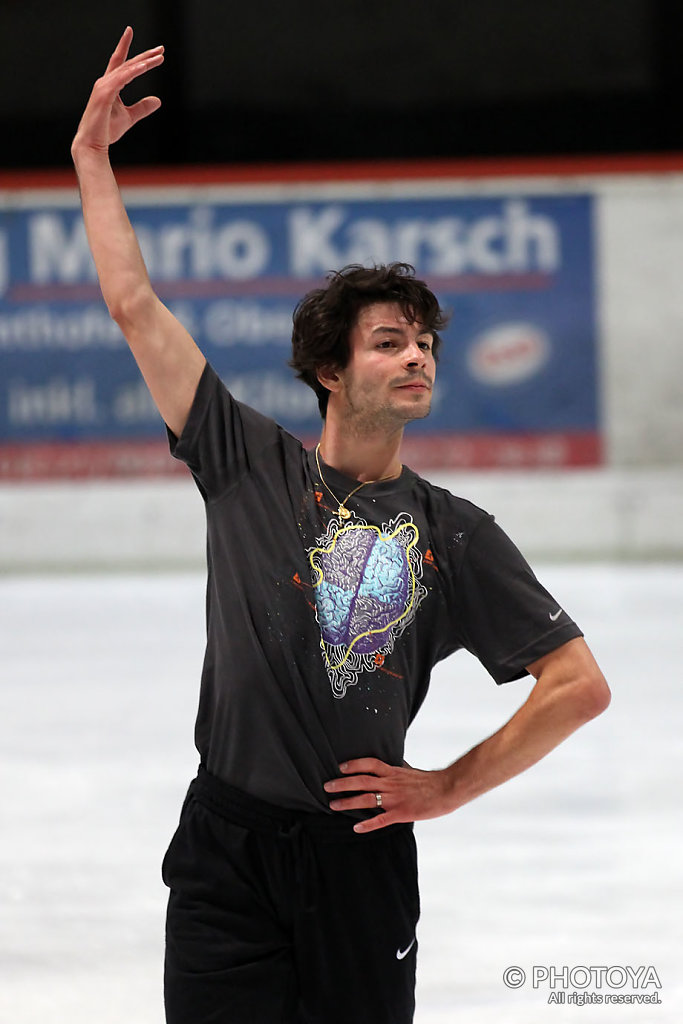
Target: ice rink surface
{"type": "Point", "coordinates": [572, 867]}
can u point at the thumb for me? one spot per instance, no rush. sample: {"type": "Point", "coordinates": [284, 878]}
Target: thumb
{"type": "Point", "coordinates": [143, 108]}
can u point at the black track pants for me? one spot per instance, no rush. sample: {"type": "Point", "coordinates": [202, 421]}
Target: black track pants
{"type": "Point", "coordinates": [283, 918]}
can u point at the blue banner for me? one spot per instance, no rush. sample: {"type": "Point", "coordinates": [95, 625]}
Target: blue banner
{"type": "Point", "coordinates": [516, 272]}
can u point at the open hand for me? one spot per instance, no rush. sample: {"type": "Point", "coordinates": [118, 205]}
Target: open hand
{"type": "Point", "coordinates": [106, 118]}
{"type": "Point", "coordinates": [407, 794]}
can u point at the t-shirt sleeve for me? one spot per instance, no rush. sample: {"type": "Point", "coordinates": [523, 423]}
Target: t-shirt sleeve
{"type": "Point", "coordinates": [222, 437]}
{"type": "Point", "coordinates": [507, 619]}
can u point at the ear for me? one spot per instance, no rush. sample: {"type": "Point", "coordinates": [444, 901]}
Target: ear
{"type": "Point", "coordinates": [329, 378]}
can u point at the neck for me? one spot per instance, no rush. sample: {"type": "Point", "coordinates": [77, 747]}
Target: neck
{"type": "Point", "coordinates": [365, 457]}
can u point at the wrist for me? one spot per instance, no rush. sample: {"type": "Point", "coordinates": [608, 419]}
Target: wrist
{"type": "Point", "coordinates": [84, 153]}
{"type": "Point", "coordinates": [459, 784]}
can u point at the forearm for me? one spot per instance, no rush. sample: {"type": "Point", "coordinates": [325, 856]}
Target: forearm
{"type": "Point", "coordinates": [120, 267]}
{"type": "Point", "coordinates": [551, 713]}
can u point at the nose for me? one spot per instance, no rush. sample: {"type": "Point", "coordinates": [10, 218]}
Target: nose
{"type": "Point", "coordinates": [414, 356]}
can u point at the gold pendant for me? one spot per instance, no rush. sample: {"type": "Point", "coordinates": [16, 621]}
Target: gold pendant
{"type": "Point", "coordinates": [344, 512]}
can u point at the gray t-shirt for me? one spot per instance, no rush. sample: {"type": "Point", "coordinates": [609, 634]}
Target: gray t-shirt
{"type": "Point", "coordinates": [322, 632]}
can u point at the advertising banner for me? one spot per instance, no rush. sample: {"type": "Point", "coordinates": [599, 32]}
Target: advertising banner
{"type": "Point", "coordinates": [517, 381]}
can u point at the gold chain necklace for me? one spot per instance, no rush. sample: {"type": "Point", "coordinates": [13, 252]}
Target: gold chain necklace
{"type": "Point", "coordinates": [342, 510]}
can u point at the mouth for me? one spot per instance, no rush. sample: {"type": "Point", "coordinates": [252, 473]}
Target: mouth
{"type": "Point", "coordinates": [418, 386]}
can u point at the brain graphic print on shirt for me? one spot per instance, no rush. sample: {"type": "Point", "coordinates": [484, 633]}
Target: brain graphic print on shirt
{"type": "Point", "coordinates": [366, 583]}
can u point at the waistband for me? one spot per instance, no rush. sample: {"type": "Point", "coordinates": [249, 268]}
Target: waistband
{"type": "Point", "coordinates": [251, 812]}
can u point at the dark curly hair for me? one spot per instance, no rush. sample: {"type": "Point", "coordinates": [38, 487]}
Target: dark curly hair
{"type": "Point", "coordinates": [323, 319]}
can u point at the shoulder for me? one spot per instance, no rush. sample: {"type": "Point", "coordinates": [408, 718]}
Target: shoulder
{"type": "Point", "coordinates": [442, 505]}
{"type": "Point", "coordinates": [214, 392]}
{"type": "Point", "coordinates": [224, 440]}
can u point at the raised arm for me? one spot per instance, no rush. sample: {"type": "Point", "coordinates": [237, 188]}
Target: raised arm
{"type": "Point", "coordinates": [167, 355]}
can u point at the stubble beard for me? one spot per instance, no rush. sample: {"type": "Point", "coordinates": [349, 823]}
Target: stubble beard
{"type": "Point", "coordinates": [364, 417]}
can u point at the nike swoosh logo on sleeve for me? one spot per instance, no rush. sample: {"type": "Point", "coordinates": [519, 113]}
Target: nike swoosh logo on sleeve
{"type": "Point", "coordinates": [402, 953]}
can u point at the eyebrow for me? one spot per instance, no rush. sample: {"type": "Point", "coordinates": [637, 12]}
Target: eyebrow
{"type": "Point", "coordinates": [385, 329]}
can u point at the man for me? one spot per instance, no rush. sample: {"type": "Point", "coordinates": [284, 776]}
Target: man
{"type": "Point", "coordinates": [337, 579]}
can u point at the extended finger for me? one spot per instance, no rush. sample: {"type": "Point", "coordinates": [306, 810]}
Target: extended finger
{"type": "Point", "coordinates": [372, 824]}
{"type": "Point", "coordinates": [361, 802]}
{"type": "Point", "coordinates": [141, 62]}
{"type": "Point", "coordinates": [132, 69]}
{"type": "Point", "coordinates": [351, 783]}
{"type": "Point", "coordinates": [153, 51]}
{"type": "Point", "coordinates": [366, 764]}
{"type": "Point", "coordinates": [121, 52]}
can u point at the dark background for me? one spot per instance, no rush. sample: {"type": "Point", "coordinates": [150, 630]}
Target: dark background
{"type": "Point", "coordinates": [311, 80]}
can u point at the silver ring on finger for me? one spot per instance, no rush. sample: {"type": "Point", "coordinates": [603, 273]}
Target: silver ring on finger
{"type": "Point", "coordinates": [378, 799]}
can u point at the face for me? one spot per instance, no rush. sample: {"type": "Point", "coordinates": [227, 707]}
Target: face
{"type": "Point", "coordinates": [390, 374]}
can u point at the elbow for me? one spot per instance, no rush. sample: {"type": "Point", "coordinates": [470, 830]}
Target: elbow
{"type": "Point", "coordinates": [131, 307]}
{"type": "Point", "coordinates": [591, 695]}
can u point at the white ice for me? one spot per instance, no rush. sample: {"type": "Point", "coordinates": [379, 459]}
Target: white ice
{"type": "Point", "coordinates": [577, 863]}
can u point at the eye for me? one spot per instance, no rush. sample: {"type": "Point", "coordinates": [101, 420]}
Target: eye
{"type": "Point", "coordinates": [386, 344]}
